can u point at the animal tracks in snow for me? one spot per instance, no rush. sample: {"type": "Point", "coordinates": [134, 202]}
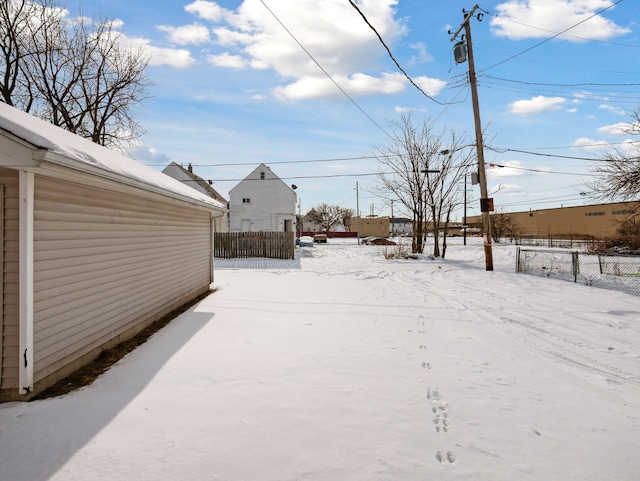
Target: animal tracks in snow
{"type": "Point", "coordinates": [438, 405]}
{"type": "Point", "coordinates": [439, 409]}
{"type": "Point", "coordinates": [441, 422]}
{"type": "Point", "coordinates": [446, 458]}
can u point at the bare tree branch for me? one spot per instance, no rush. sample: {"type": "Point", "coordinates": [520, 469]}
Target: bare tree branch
{"type": "Point", "coordinates": [77, 74]}
{"type": "Point", "coordinates": [618, 171]}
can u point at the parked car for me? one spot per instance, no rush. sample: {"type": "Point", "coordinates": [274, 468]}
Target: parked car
{"type": "Point", "coordinates": [320, 238]}
{"type": "Point", "coordinates": [380, 241]}
{"type": "Point", "coordinates": [305, 241]}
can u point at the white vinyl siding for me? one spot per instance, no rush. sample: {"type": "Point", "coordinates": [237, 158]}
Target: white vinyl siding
{"type": "Point", "coordinates": [106, 262]}
{"type": "Point", "coordinates": [10, 280]}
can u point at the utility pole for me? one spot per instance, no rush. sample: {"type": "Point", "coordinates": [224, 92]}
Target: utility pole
{"type": "Point", "coordinates": [486, 204]}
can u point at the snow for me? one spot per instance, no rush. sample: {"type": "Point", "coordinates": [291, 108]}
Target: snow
{"type": "Point", "coordinates": [352, 367]}
{"type": "Point", "coordinates": [86, 154]}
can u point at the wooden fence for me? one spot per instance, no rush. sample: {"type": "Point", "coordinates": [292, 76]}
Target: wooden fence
{"type": "Point", "coordinates": [274, 245]}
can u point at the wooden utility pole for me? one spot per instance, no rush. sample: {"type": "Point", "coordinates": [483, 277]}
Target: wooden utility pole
{"type": "Point", "coordinates": [485, 203]}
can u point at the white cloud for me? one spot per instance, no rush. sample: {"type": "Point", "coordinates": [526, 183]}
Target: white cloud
{"type": "Point", "coordinates": [431, 86]}
{"type": "Point", "coordinates": [331, 31]}
{"type": "Point", "coordinates": [206, 10]}
{"type": "Point", "coordinates": [590, 144]}
{"type": "Point", "coordinates": [519, 19]}
{"type": "Point", "coordinates": [357, 84]}
{"type": "Point", "coordinates": [536, 105]}
{"type": "Point", "coordinates": [494, 171]}
{"type": "Point", "coordinates": [621, 128]}
{"type": "Point", "coordinates": [148, 154]}
{"type": "Point", "coordinates": [227, 60]}
{"type": "Point", "coordinates": [612, 110]}
{"type": "Point", "coordinates": [422, 54]}
{"type": "Point", "coordinates": [173, 57]}
{"type": "Point", "coordinates": [194, 34]}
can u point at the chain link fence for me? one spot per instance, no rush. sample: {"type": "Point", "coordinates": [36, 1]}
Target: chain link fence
{"type": "Point", "coordinates": [563, 241]}
{"type": "Point", "coordinates": [620, 272]}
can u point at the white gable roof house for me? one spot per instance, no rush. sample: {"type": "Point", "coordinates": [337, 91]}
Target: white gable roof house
{"type": "Point", "coordinates": [188, 177]}
{"type": "Point", "coordinates": [95, 247]}
{"type": "Point", "coordinates": [262, 202]}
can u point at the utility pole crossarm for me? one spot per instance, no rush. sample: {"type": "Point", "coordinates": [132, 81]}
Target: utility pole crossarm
{"type": "Point", "coordinates": [468, 15]}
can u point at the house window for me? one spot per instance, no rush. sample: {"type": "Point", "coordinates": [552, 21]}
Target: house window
{"type": "Point", "coordinates": [590, 214]}
{"type": "Point", "coordinates": [623, 212]}
{"type": "Point", "coordinates": [246, 200]}
{"type": "Point", "coordinates": [261, 175]}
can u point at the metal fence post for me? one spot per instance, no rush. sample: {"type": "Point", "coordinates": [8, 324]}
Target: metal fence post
{"type": "Point", "coordinates": [575, 265]}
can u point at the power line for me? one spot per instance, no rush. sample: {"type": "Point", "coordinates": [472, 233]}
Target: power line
{"type": "Point", "coordinates": [587, 98]}
{"type": "Point", "coordinates": [393, 58]}
{"type": "Point", "coordinates": [326, 176]}
{"type": "Point", "coordinates": [539, 170]}
{"type": "Point", "coordinates": [568, 36]}
{"type": "Point", "coordinates": [499, 150]}
{"type": "Point", "coordinates": [553, 36]}
{"type": "Point", "coordinates": [324, 71]}
{"type": "Point", "coordinates": [545, 84]}
{"type": "Point", "coordinates": [504, 150]}
{"type": "Point", "coordinates": [339, 159]}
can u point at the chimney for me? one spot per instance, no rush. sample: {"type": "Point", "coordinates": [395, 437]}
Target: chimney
{"type": "Point", "coordinates": [190, 168]}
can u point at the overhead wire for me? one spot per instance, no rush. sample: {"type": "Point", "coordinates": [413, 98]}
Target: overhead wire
{"type": "Point", "coordinates": [579, 84]}
{"type": "Point", "coordinates": [324, 70]}
{"type": "Point", "coordinates": [617, 44]}
{"type": "Point", "coordinates": [552, 37]}
{"type": "Point", "coordinates": [461, 82]}
{"type": "Point", "coordinates": [366, 20]}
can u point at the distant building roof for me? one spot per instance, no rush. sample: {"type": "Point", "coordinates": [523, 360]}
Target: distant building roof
{"type": "Point", "coordinates": [197, 180]}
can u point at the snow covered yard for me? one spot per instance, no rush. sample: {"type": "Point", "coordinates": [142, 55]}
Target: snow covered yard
{"type": "Point", "coordinates": [354, 367]}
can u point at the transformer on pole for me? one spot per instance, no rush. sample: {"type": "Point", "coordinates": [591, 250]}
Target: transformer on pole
{"type": "Point", "coordinates": [463, 52]}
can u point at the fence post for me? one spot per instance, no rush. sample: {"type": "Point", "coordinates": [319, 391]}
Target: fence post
{"type": "Point", "coordinates": [517, 259]}
{"type": "Point", "coordinates": [575, 265]}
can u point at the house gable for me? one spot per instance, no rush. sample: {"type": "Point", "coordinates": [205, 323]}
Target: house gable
{"type": "Point", "coordinates": [262, 202]}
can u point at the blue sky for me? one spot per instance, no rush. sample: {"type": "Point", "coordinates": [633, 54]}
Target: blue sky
{"type": "Point", "coordinates": [233, 88]}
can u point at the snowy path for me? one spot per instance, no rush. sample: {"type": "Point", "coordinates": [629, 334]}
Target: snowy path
{"type": "Point", "coordinates": [357, 368]}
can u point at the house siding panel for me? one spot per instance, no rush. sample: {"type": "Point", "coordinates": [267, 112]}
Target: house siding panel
{"type": "Point", "coordinates": [10, 279]}
{"type": "Point", "coordinates": [107, 262]}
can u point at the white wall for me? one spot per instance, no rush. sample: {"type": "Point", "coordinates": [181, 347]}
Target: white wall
{"type": "Point", "coordinates": [270, 203]}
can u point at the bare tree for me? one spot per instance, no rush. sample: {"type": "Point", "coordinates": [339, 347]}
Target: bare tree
{"type": "Point", "coordinates": [443, 187]}
{"type": "Point", "coordinates": [77, 74]}
{"type": "Point", "coordinates": [502, 225]}
{"type": "Point", "coordinates": [618, 171]}
{"type": "Point", "coordinates": [328, 216]}
{"type": "Point", "coordinates": [21, 21]}
{"type": "Point", "coordinates": [421, 170]}
{"type": "Point", "coordinates": [347, 217]}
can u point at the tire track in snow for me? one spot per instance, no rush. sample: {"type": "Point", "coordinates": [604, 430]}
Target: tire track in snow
{"type": "Point", "coordinates": [579, 344]}
{"type": "Point", "coordinates": [565, 348]}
